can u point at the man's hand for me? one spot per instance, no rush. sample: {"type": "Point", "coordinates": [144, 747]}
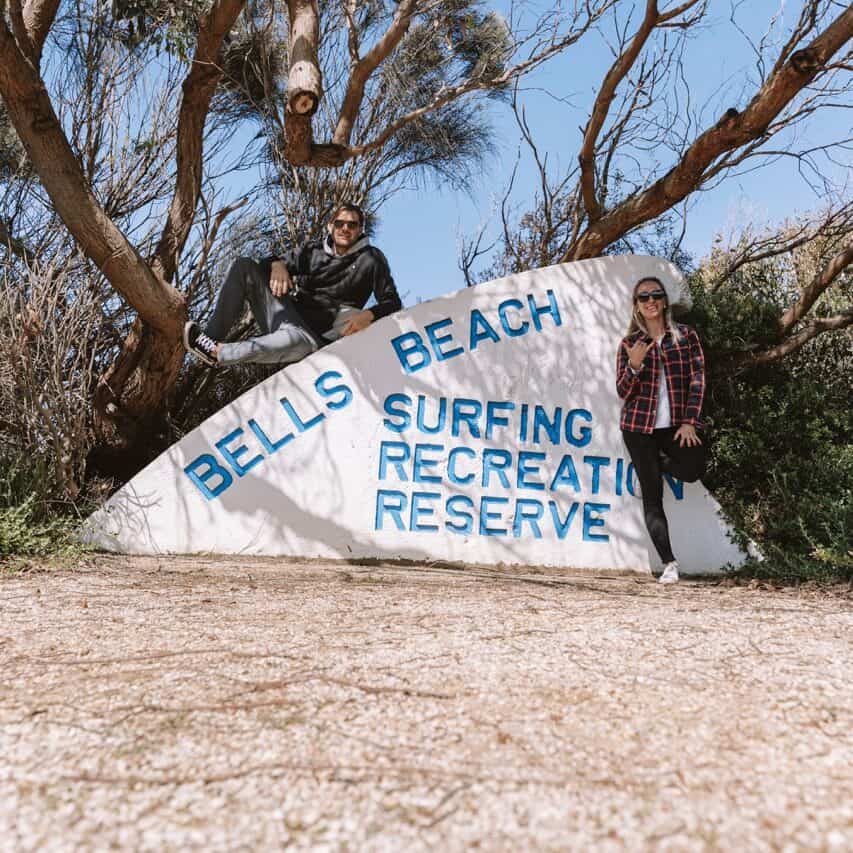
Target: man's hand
{"type": "Point", "coordinates": [686, 435]}
{"type": "Point", "coordinates": [280, 281]}
{"type": "Point", "coordinates": [637, 353]}
{"type": "Point", "coordinates": [357, 322]}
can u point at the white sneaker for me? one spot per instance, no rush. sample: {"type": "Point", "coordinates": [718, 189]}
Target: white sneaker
{"type": "Point", "coordinates": [670, 573]}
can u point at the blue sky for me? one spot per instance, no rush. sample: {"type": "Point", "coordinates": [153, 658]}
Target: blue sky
{"type": "Point", "coordinates": [420, 229]}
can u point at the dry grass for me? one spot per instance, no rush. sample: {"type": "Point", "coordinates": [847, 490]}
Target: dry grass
{"type": "Point", "coordinates": [217, 704]}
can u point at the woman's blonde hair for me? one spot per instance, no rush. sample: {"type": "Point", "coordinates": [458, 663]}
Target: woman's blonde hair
{"type": "Point", "coordinates": [638, 324]}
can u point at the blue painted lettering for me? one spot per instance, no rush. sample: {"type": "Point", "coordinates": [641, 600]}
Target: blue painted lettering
{"type": "Point", "coordinates": [341, 392]}
{"type": "Point", "coordinates": [266, 443]}
{"type": "Point", "coordinates": [522, 435]}
{"type": "Point", "coordinates": [405, 421]}
{"type": "Point", "coordinates": [620, 471]}
{"type": "Point", "coordinates": [562, 525]}
{"type": "Point", "coordinates": [232, 455]}
{"type": "Point", "coordinates": [418, 510]}
{"type": "Point", "coordinates": [493, 419]}
{"type": "Point", "coordinates": [566, 475]}
{"type": "Point", "coordinates": [584, 434]}
{"type": "Point", "coordinates": [512, 331]}
{"type": "Point", "coordinates": [438, 341]}
{"type": "Point", "coordinates": [202, 468]}
{"type": "Point", "coordinates": [452, 474]}
{"type": "Point", "coordinates": [496, 461]}
{"type": "Point", "coordinates": [487, 515]}
{"type": "Point", "coordinates": [631, 480]}
{"type": "Point", "coordinates": [422, 463]}
{"type": "Point", "coordinates": [530, 511]}
{"type": "Point", "coordinates": [552, 427]}
{"type": "Point", "coordinates": [441, 418]}
{"type": "Point", "coordinates": [677, 486]}
{"type": "Point", "coordinates": [481, 330]}
{"type": "Point", "coordinates": [394, 453]}
{"type": "Point", "coordinates": [411, 352]}
{"type": "Point", "coordinates": [590, 520]}
{"type": "Point", "coordinates": [468, 412]}
{"type": "Point", "coordinates": [527, 460]}
{"type": "Point", "coordinates": [301, 426]}
{"type": "Point", "coordinates": [456, 507]}
{"type": "Point", "coordinates": [597, 463]}
{"type": "Point", "coordinates": [536, 311]}
{"type": "Point", "coordinates": [394, 504]}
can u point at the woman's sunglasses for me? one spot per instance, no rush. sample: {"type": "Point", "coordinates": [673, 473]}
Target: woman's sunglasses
{"type": "Point", "coordinates": [651, 294]}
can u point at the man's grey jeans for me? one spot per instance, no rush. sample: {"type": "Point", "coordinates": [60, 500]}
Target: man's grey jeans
{"type": "Point", "coordinates": [285, 336]}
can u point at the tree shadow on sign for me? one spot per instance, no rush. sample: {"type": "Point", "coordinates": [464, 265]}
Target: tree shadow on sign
{"type": "Point", "coordinates": [355, 358]}
{"type": "Point", "coordinates": [317, 495]}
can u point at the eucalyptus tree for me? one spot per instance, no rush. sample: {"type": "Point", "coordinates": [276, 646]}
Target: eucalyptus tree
{"type": "Point", "coordinates": [383, 82]}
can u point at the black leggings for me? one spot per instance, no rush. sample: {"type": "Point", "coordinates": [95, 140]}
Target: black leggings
{"type": "Point", "coordinates": [653, 455]}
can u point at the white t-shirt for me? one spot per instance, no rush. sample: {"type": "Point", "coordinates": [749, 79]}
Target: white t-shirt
{"type": "Point", "coordinates": [664, 414]}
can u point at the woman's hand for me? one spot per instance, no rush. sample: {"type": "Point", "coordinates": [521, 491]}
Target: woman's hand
{"type": "Point", "coordinates": [686, 436]}
{"type": "Point", "coordinates": [637, 353]}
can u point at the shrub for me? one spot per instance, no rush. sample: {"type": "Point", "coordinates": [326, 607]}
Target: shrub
{"type": "Point", "coordinates": [31, 523]}
{"type": "Point", "coordinates": [48, 332]}
{"type": "Point", "coordinates": [781, 454]}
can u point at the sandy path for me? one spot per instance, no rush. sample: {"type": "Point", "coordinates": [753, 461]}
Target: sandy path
{"type": "Point", "coordinates": [209, 704]}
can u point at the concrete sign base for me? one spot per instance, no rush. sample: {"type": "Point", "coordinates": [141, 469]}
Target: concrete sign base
{"type": "Point", "coordinates": [480, 427]}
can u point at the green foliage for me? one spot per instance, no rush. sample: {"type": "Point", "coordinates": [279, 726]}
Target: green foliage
{"type": "Point", "coordinates": [31, 524]}
{"type": "Point", "coordinates": [170, 26]}
{"type": "Point", "coordinates": [781, 452]}
{"type": "Point", "coordinates": [255, 66]}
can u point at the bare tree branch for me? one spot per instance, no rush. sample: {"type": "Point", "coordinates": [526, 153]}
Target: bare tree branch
{"type": "Point", "coordinates": [38, 19]}
{"type": "Point", "coordinates": [339, 150]}
{"type": "Point", "coordinates": [15, 246]}
{"type": "Point", "coordinates": [810, 330]}
{"type": "Point", "coordinates": [731, 132]}
{"type": "Point", "coordinates": [607, 91]}
{"type": "Point", "coordinates": [443, 98]}
{"type": "Point", "coordinates": [300, 147]}
{"type": "Point", "coordinates": [810, 294]}
{"type": "Point", "coordinates": [835, 222]}
{"type": "Point", "coordinates": [362, 70]}
{"type": "Point", "coordinates": [353, 41]}
{"type": "Point", "coordinates": [304, 86]}
{"type": "Point", "coordinates": [199, 86]}
{"type": "Point", "coordinates": [210, 239]}
{"type": "Point", "coordinates": [31, 111]}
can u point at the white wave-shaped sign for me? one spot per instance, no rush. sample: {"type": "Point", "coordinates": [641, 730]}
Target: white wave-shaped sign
{"type": "Point", "coordinates": [479, 427]}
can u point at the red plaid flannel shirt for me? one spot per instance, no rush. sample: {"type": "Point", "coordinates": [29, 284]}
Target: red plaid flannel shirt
{"type": "Point", "coordinates": [685, 379]}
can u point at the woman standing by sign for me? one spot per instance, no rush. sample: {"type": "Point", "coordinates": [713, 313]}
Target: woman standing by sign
{"type": "Point", "coordinates": [660, 375]}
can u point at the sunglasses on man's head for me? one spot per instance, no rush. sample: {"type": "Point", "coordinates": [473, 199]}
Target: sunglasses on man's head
{"type": "Point", "coordinates": [651, 294]}
{"type": "Point", "coordinates": [346, 223]}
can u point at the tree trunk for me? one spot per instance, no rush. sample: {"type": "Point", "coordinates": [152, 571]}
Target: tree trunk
{"type": "Point", "coordinates": [298, 139]}
{"type": "Point", "coordinates": [149, 364]}
{"type": "Point", "coordinates": [304, 83]}
{"type": "Point", "coordinates": [130, 400]}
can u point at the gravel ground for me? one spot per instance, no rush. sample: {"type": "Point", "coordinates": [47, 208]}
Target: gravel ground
{"type": "Point", "coordinates": [210, 704]}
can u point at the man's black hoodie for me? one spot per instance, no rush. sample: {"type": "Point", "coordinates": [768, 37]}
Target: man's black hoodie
{"type": "Point", "coordinates": [326, 282]}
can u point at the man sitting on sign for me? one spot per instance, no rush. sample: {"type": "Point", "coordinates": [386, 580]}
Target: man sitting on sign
{"type": "Point", "coordinates": [312, 295]}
